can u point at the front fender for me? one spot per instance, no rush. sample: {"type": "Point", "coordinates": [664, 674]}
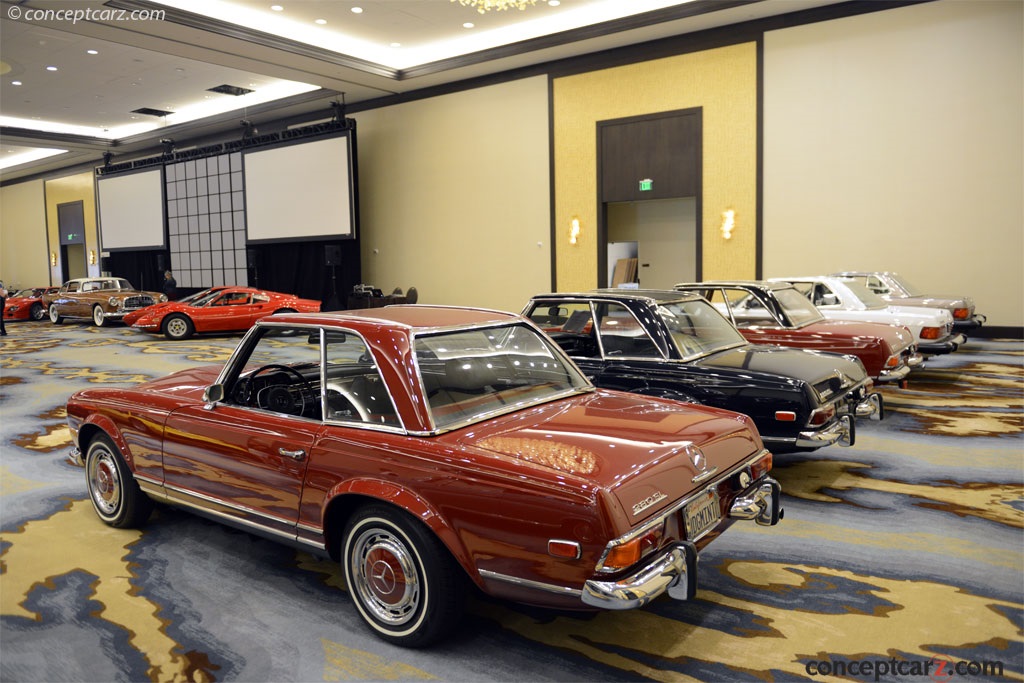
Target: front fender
{"type": "Point", "coordinates": [96, 424]}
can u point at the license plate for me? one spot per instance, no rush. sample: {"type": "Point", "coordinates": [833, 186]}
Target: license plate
{"type": "Point", "coordinates": [702, 514]}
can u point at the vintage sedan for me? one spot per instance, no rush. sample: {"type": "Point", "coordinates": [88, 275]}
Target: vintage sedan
{"type": "Point", "coordinates": [896, 289]}
{"type": "Point", "coordinates": [845, 299]}
{"type": "Point", "coordinates": [776, 313]}
{"type": "Point", "coordinates": [676, 345]}
{"type": "Point", "coordinates": [219, 309]}
{"type": "Point", "coordinates": [385, 438]}
{"type": "Point", "coordinates": [101, 299]}
{"type": "Point", "coordinates": [27, 304]}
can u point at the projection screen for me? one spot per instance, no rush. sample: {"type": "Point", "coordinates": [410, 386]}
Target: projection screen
{"type": "Point", "coordinates": [132, 211]}
{"type": "Point", "coordinates": [300, 191]}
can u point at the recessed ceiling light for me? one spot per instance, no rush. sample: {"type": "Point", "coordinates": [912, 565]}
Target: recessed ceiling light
{"type": "Point", "coordinates": [15, 82]}
{"type": "Point", "coordinates": [468, 24]}
{"type": "Point", "coordinates": [51, 68]}
{"type": "Point", "coordinates": [320, 21]}
{"type": "Point", "coordinates": [553, 3]}
{"type": "Point", "coordinates": [357, 10]}
{"type": "Point", "coordinates": [396, 45]}
{"type": "Point", "coordinates": [277, 8]}
{"type": "Point", "coordinates": [92, 52]}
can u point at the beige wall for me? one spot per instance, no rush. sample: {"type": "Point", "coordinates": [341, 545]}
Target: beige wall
{"type": "Point", "coordinates": [893, 141]}
{"type": "Point", "coordinates": [454, 196]}
{"type": "Point", "coordinates": [23, 248]}
{"type": "Point", "coordinates": [724, 83]}
{"type": "Point", "coordinates": [72, 188]}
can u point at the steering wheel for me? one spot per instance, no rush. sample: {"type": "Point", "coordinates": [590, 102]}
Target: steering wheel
{"type": "Point", "coordinates": [357, 406]}
{"type": "Point", "coordinates": [277, 397]}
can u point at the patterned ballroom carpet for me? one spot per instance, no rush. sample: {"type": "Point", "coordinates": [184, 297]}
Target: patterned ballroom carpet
{"type": "Point", "coordinates": [901, 558]}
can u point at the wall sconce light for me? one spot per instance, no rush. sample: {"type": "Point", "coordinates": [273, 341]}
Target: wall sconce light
{"type": "Point", "coordinates": [53, 258]}
{"type": "Point", "coordinates": [728, 223]}
{"type": "Point", "coordinates": [92, 257]}
{"type": "Point", "coordinates": [574, 230]}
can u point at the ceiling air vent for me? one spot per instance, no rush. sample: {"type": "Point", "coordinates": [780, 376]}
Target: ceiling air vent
{"type": "Point", "coordinates": [230, 90]}
{"type": "Point", "coordinates": [149, 111]}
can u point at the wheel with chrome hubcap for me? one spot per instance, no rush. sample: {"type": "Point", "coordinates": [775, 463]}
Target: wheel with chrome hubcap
{"type": "Point", "coordinates": [403, 581]}
{"type": "Point", "coordinates": [115, 495]}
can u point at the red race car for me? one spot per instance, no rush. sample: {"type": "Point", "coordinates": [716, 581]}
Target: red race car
{"type": "Point", "coordinates": [218, 309]}
{"type": "Point", "coordinates": [27, 304]}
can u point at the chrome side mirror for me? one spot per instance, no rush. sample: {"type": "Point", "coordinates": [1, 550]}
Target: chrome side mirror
{"type": "Point", "coordinates": [213, 394]}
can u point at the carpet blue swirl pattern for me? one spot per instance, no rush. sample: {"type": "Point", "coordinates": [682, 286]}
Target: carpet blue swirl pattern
{"type": "Point", "coordinates": [899, 559]}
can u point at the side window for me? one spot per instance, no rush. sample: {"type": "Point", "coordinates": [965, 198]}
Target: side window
{"type": "Point", "coordinates": [569, 324]}
{"type": "Point", "coordinates": [805, 288]}
{"type": "Point", "coordinates": [876, 285]}
{"type": "Point", "coordinates": [354, 388]}
{"type": "Point", "coordinates": [281, 373]}
{"type": "Point", "coordinates": [72, 287]}
{"type": "Point", "coordinates": [622, 335]}
{"type": "Point", "coordinates": [824, 296]}
{"type": "Point", "coordinates": [747, 309]}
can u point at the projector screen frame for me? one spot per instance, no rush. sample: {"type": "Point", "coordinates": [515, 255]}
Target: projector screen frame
{"type": "Point", "coordinates": [161, 176]}
{"type": "Point", "coordinates": [351, 189]}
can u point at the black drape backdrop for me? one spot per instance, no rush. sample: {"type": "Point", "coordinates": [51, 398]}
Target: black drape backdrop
{"type": "Point", "coordinates": [299, 268]}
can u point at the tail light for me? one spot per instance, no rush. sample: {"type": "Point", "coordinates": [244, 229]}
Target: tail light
{"type": "Point", "coordinates": [961, 313]}
{"type": "Point", "coordinates": [822, 416]}
{"type": "Point", "coordinates": [762, 466]}
{"type": "Point", "coordinates": [623, 555]}
{"type": "Point", "coordinates": [931, 332]}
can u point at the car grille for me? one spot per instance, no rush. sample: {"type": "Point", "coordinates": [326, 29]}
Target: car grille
{"type": "Point", "coordinates": [134, 302]}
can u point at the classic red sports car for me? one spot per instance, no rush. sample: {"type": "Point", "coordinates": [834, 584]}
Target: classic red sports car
{"type": "Point", "coordinates": [218, 309]}
{"type": "Point", "coordinates": [776, 313]}
{"type": "Point", "coordinates": [27, 304]}
{"type": "Point", "coordinates": [426, 447]}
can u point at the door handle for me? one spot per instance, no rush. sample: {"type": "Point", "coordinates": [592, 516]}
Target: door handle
{"type": "Point", "coordinates": [297, 454]}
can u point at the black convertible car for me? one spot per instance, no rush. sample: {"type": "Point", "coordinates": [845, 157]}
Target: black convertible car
{"type": "Point", "coordinates": [676, 345]}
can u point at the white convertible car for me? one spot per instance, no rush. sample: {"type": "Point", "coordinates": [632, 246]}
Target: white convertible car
{"type": "Point", "coordinates": [844, 299]}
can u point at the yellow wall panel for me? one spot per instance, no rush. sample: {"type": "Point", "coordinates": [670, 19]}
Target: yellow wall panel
{"type": "Point", "coordinates": [723, 82]}
{"type": "Point", "coordinates": [72, 188]}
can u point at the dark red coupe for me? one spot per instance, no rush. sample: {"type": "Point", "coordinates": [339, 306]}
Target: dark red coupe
{"type": "Point", "coordinates": [218, 309]}
{"type": "Point", "coordinates": [428, 449]}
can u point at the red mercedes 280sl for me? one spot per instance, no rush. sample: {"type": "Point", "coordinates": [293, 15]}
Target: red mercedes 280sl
{"type": "Point", "coordinates": [428, 448]}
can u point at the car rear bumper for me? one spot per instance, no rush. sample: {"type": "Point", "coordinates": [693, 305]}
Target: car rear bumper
{"type": "Point", "coordinates": [975, 322]}
{"type": "Point", "coordinates": [948, 345]}
{"type": "Point", "coordinates": [872, 407]}
{"type": "Point", "coordinates": [899, 373]}
{"type": "Point", "coordinates": [841, 431]}
{"type": "Point", "coordinates": [674, 570]}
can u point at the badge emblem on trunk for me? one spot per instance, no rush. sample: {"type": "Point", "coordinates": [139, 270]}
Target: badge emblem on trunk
{"type": "Point", "coordinates": [648, 502]}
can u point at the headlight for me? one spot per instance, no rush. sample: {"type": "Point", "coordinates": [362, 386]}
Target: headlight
{"type": "Point", "coordinates": [162, 298]}
{"type": "Point", "coordinates": [114, 302]}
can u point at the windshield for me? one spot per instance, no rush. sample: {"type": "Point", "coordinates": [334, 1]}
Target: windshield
{"type": "Point", "coordinates": [27, 293]}
{"type": "Point", "coordinates": [202, 298]}
{"type": "Point", "coordinates": [904, 284]}
{"type": "Point", "coordinates": [697, 329]}
{"type": "Point", "coordinates": [468, 375]}
{"type": "Point", "coordinates": [797, 308]}
{"type": "Point", "coordinates": [866, 296]}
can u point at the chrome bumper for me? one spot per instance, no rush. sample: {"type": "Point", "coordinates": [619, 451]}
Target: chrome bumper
{"type": "Point", "coordinates": [900, 372]}
{"type": "Point", "coordinates": [763, 504]}
{"type": "Point", "coordinates": [842, 431]}
{"type": "Point", "coordinates": [675, 570]}
{"type": "Point", "coordinates": [872, 407]}
{"type": "Point", "coordinates": [74, 457]}
{"type": "Point", "coordinates": [948, 346]}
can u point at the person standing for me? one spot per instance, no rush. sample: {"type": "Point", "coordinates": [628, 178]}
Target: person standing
{"type": "Point", "coordinates": [170, 285]}
{"type": "Point", "coordinates": [3, 306]}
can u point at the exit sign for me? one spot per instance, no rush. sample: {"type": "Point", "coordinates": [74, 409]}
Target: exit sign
{"type": "Point", "coordinates": [646, 185]}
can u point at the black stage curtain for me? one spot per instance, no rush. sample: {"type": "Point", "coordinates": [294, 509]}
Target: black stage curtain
{"type": "Point", "coordinates": [314, 270]}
